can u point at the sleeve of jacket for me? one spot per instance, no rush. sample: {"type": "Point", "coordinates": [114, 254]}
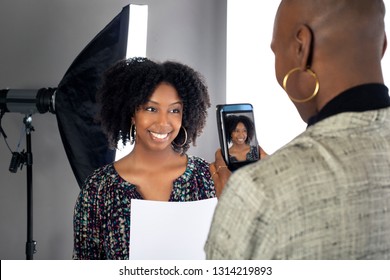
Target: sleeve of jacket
{"type": "Point", "coordinates": [241, 226]}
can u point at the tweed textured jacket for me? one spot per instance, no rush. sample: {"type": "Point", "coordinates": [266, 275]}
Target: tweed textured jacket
{"type": "Point", "coordinates": [325, 195]}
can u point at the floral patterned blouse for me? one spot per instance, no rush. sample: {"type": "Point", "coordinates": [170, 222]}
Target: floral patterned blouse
{"type": "Point", "coordinates": [252, 155]}
{"type": "Point", "coordinates": [102, 212]}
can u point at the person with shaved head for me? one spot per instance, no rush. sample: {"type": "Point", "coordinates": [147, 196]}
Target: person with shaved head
{"type": "Point", "coordinates": [326, 194]}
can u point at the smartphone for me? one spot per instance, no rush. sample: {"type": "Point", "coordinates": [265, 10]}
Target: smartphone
{"type": "Point", "coordinates": [237, 134]}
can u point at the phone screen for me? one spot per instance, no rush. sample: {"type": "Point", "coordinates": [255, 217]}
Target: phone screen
{"type": "Point", "coordinates": [237, 134]}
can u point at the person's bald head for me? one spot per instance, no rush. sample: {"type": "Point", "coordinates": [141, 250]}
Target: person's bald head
{"type": "Point", "coordinates": [342, 41]}
{"type": "Point", "coordinates": [337, 22]}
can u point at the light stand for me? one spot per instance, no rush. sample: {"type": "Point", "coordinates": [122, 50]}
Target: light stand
{"type": "Point", "coordinates": [30, 244]}
{"type": "Point", "coordinates": [17, 161]}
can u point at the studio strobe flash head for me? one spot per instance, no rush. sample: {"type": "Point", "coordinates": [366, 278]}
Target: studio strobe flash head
{"type": "Point", "coordinates": [28, 101]}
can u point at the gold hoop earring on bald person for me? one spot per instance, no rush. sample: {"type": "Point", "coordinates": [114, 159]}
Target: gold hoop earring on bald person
{"type": "Point", "coordinates": [316, 89]}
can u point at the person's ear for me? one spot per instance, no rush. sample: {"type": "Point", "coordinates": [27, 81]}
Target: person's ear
{"type": "Point", "coordinates": [304, 40]}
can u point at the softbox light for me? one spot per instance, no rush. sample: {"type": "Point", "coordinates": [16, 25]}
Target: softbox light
{"type": "Point", "coordinates": [74, 104]}
{"type": "Point", "coordinates": [73, 101]}
{"type": "Point", "coordinates": [83, 139]}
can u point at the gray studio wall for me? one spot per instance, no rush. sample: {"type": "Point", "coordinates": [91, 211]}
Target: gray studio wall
{"type": "Point", "coordinates": [39, 41]}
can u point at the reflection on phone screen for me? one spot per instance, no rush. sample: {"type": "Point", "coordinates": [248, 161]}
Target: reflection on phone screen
{"type": "Point", "coordinates": [241, 137]}
{"type": "Point", "coordinates": [237, 134]}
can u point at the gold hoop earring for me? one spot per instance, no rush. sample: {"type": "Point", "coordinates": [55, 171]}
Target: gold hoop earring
{"type": "Point", "coordinates": [185, 140]}
{"type": "Point", "coordinates": [133, 133]}
{"type": "Point", "coordinates": [316, 89]}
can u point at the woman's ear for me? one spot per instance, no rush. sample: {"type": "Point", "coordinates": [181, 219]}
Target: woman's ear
{"type": "Point", "coordinates": [304, 40]}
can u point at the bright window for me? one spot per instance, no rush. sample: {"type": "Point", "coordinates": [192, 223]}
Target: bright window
{"type": "Point", "coordinates": [250, 72]}
{"type": "Point", "coordinates": [136, 46]}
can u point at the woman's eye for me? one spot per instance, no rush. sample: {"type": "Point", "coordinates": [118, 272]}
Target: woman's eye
{"type": "Point", "coordinates": [176, 110]}
{"type": "Point", "coordinates": [150, 109]}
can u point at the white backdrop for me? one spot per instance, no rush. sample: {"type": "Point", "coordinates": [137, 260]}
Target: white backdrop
{"type": "Point", "coordinates": [250, 71]}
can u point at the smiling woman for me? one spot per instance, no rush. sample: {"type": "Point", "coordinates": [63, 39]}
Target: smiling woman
{"type": "Point", "coordinates": [162, 107]}
{"type": "Point", "coordinates": [158, 121]}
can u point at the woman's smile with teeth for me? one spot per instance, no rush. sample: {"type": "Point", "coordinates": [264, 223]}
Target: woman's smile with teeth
{"type": "Point", "coordinates": [159, 135]}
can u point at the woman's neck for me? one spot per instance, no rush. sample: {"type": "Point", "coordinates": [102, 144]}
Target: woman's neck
{"type": "Point", "coordinates": [153, 159]}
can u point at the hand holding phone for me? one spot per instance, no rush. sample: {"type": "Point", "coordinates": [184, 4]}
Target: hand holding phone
{"type": "Point", "coordinates": [237, 134]}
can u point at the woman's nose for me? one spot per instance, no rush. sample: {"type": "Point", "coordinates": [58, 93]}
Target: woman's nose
{"type": "Point", "coordinates": [162, 118]}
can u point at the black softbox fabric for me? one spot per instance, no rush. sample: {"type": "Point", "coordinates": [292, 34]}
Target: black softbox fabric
{"type": "Point", "coordinates": [85, 144]}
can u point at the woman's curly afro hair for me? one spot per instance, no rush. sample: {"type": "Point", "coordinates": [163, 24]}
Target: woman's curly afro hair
{"type": "Point", "coordinates": [129, 84]}
{"type": "Point", "coordinates": [233, 120]}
